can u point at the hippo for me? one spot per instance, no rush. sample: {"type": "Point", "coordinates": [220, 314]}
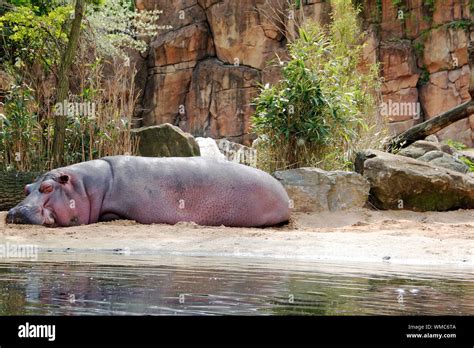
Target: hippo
{"type": "Point", "coordinates": [154, 190]}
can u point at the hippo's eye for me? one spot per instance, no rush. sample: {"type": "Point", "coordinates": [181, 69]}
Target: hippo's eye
{"type": "Point", "coordinates": [46, 187]}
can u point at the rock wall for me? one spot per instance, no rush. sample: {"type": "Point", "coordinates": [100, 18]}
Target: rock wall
{"type": "Point", "coordinates": [424, 49]}
{"type": "Point", "coordinates": [203, 72]}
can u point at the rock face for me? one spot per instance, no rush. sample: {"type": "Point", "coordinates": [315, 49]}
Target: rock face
{"type": "Point", "coordinates": [166, 140]}
{"type": "Point", "coordinates": [204, 67]}
{"type": "Point", "coordinates": [424, 49]}
{"type": "Point", "coordinates": [313, 189]}
{"type": "Point", "coordinates": [218, 101]}
{"type": "Point", "coordinates": [398, 182]}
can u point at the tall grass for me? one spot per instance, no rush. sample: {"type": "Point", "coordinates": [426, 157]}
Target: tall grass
{"type": "Point", "coordinates": [26, 139]}
{"type": "Point", "coordinates": [102, 78]}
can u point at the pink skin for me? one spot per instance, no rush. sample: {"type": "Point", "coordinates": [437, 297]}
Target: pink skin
{"type": "Point", "coordinates": [154, 190]}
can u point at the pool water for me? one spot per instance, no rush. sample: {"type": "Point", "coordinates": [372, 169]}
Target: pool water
{"type": "Point", "coordinates": [121, 285]}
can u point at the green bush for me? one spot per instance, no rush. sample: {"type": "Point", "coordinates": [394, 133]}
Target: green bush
{"type": "Point", "coordinates": [324, 107]}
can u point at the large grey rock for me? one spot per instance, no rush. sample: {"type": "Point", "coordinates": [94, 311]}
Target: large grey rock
{"type": "Point", "coordinates": [399, 182]}
{"type": "Point", "coordinates": [420, 147]}
{"type": "Point", "coordinates": [166, 140]}
{"type": "Point", "coordinates": [314, 189]}
{"type": "Point", "coordinates": [442, 159]}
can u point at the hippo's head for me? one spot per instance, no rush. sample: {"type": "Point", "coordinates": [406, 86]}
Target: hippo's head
{"type": "Point", "coordinates": [49, 201]}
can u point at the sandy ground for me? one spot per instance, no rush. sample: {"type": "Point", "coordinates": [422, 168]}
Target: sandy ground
{"type": "Point", "coordinates": [399, 237]}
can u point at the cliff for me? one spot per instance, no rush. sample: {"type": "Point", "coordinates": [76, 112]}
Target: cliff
{"type": "Point", "coordinates": [202, 73]}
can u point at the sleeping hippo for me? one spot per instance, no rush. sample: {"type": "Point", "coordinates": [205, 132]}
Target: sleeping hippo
{"type": "Point", "coordinates": [154, 190]}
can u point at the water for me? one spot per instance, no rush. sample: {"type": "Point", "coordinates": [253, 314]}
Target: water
{"type": "Point", "coordinates": [121, 285]}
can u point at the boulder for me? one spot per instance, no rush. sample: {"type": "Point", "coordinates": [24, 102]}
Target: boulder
{"type": "Point", "coordinates": [314, 189]}
{"type": "Point", "coordinates": [442, 159]}
{"type": "Point", "coordinates": [237, 152]}
{"type": "Point", "coordinates": [166, 140]}
{"type": "Point", "coordinates": [421, 147]}
{"type": "Point", "coordinates": [398, 182]}
{"type": "Point", "coordinates": [208, 148]}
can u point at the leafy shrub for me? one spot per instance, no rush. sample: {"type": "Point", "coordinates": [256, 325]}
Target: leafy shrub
{"type": "Point", "coordinates": [324, 108]}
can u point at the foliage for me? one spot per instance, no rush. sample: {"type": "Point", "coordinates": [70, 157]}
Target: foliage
{"type": "Point", "coordinates": [321, 111]}
{"type": "Point", "coordinates": [460, 146]}
{"type": "Point", "coordinates": [468, 162]}
{"type": "Point", "coordinates": [114, 27]}
{"type": "Point", "coordinates": [430, 5]}
{"type": "Point", "coordinates": [35, 38]}
{"type": "Point", "coordinates": [455, 144]}
{"type": "Point", "coordinates": [419, 48]}
{"type": "Point", "coordinates": [463, 24]}
{"type": "Point", "coordinates": [40, 7]}
{"type": "Point", "coordinates": [424, 76]}
{"type": "Point", "coordinates": [29, 36]}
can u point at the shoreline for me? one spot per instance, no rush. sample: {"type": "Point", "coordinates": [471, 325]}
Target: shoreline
{"type": "Point", "coordinates": [355, 236]}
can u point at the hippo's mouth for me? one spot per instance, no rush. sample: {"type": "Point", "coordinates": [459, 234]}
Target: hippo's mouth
{"type": "Point", "coordinates": [49, 219]}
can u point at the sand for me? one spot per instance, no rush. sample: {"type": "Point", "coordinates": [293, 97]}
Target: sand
{"type": "Point", "coordinates": [398, 237]}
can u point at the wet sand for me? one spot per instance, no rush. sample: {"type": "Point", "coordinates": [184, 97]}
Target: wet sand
{"type": "Point", "coordinates": [398, 237]}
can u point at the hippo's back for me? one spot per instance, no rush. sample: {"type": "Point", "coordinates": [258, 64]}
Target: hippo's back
{"type": "Point", "coordinates": [203, 190]}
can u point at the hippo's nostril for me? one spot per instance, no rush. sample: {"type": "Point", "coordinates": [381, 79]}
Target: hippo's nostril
{"type": "Point", "coordinates": [11, 216]}
{"type": "Point", "coordinates": [21, 215]}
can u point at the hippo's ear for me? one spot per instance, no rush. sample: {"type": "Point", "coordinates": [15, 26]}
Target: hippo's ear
{"type": "Point", "coordinates": [27, 189]}
{"type": "Point", "coordinates": [63, 179]}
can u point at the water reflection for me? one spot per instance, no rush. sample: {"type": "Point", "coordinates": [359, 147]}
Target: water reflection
{"type": "Point", "coordinates": [243, 288]}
